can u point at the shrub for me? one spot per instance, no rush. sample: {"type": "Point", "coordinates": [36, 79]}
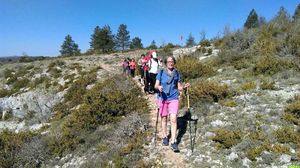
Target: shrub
{"type": "Point", "coordinates": [241, 63]}
{"type": "Point", "coordinates": [247, 86]}
{"type": "Point", "coordinates": [286, 135]}
{"type": "Point", "coordinates": [209, 51]}
{"type": "Point", "coordinates": [294, 107]}
{"type": "Point", "coordinates": [8, 73]}
{"type": "Point", "coordinates": [10, 145]}
{"type": "Point", "coordinates": [267, 84]}
{"type": "Point", "coordinates": [58, 63]}
{"type": "Point", "coordinates": [204, 43]}
{"type": "Point", "coordinates": [20, 83]}
{"type": "Point", "coordinates": [5, 92]}
{"type": "Point", "coordinates": [233, 57]}
{"type": "Point", "coordinates": [226, 138]}
{"type": "Point", "coordinates": [266, 44]}
{"type": "Point", "coordinates": [269, 65]}
{"type": "Point", "coordinates": [106, 101]}
{"type": "Point", "coordinates": [257, 135]}
{"type": "Point", "coordinates": [74, 95]}
{"type": "Point", "coordinates": [252, 153]}
{"type": "Point", "coordinates": [191, 68]}
{"type": "Point", "coordinates": [291, 118]}
{"type": "Point", "coordinates": [255, 152]}
{"type": "Point", "coordinates": [228, 103]}
{"type": "Point", "coordinates": [208, 91]}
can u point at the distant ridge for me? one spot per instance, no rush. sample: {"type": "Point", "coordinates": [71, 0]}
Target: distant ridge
{"type": "Point", "coordinates": [12, 59]}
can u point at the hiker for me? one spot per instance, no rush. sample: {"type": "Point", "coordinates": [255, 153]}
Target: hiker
{"type": "Point", "coordinates": [168, 83]}
{"type": "Point", "coordinates": [132, 66]}
{"type": "Point", "coordinates": [146, 72]}
{"type": "Point", "coordinates": [141, 70]}
{"type": "Point", "coordinates": [124, 66]}
{"type": "Point", "coordinates": [154, 65]}
{"type": "Point", "coordinates": [128, 66]}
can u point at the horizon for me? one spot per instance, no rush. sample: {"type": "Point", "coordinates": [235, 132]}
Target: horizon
{"type": "Point", "coordinates": [38, 28]}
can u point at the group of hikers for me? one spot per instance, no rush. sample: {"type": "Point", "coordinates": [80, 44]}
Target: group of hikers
{"type": "Point", "coordinates": [165, 81]}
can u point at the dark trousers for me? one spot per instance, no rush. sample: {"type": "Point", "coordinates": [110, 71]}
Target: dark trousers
{"type": "Point", "coordinates": [142, 72]}
{"type": "Point", "coordinates": [152, 81]}
{"type": "Point", "coordinates": [132, 71]}
{"type": "Point", "coordinates": [146, 81]}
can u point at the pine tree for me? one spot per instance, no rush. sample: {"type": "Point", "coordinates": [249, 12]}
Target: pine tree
{"type": "Point", "coordinates": [152, 45]}
{"type": "Point", "coordinates": [102, 40]}
{"type": "Point", "coordinates": [95, 40]}
{"type": "Point", "coordinates": [282, 20]}
{"type": "Point", "coordinates": [69, 47]}
{"type": "Point", "coordinates": [297, 13]}
{"type": "Point", "coordinates": [190, 41]}
{"type": "Point", "coordinates": [252, 20]}
{"type": "Point", "coordinates": [123, 37]}
{"type": "Point", "coordinates": [136, 43]}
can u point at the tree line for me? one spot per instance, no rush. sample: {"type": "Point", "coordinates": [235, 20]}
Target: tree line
{"type": "Point", "coordinates": [104, 41]}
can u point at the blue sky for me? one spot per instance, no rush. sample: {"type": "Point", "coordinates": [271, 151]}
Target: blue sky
{"type": "Point", "coordinates": [38, 27]}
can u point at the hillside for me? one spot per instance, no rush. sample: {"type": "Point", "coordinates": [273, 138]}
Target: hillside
{"type": "Point", "coordinates": [82, 112]}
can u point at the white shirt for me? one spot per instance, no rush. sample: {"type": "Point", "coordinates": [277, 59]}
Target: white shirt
{"type": "Point", "coordinates": [154, 66]}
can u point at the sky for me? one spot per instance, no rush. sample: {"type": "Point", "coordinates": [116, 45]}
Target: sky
{"type": "Point", "coordinates": [38, 27]}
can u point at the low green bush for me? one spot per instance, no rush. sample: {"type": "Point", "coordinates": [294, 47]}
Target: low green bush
{"type": "Point", "coordinates": [208, 91]}
{"type": "Point", "coordinates": [287, 135]}
{"type": "Point", "coordinates": [294, 107]}
{"type": "Point", "coordinates": [10, 144]}
{"type": "Point", "coordinates": [269, 65]}
{"type": "Point", "coordinates": [228, 103]}
{"type": "Point", "coordinates": [191, 68]}
{"type": "Point", "coordinates": [227, 138]}
{"type": "Point", "coordinates": [247, 86]}
{"type": "Point", "coordinates": [107, 102]}
{"type": "Point", "coordinates": [267, 84]}
{"type": "Point", "coordinates": [255, 152]}
{"type": "Point", "coordinates": [5, 92]}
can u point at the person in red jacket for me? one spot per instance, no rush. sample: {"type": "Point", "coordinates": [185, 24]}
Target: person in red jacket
{"type": "Point", "coordinates": [132, 65]}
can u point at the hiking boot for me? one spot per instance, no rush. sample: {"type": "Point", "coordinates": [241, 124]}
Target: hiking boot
{"type": "Point", "coordinates": [165, 141]}
{"type": "Point", "coordinates": [174, 147]}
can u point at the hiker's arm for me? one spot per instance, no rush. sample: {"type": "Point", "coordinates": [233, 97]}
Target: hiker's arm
{"type": "Point", "coordinates": [182, 86]}
{"type": "Point", "coordinates": [158, 86]}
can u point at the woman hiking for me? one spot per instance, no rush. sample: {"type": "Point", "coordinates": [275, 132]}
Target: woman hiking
{"type": "Point", "coordinates": [154, 65]}
{"type": "Point", "coordinates": [168, 83]}
{"type": "Point", "coordinates": [132, 66]}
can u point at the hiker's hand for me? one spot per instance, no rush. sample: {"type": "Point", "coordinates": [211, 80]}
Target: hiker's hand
{"type": "Point", "coordinates": [160, 88]}
{"type": "Point", "coordinates": [186, 85]}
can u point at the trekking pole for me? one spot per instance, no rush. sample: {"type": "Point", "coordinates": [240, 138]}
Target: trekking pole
{"type": "Point", "coordinates": [159, 103]}
{"type": "Point", "coordinates": [189, 120]}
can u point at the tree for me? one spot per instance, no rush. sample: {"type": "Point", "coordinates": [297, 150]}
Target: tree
{"type": "Point", "coordinates": [297, 13]}
{"type": "Point", "coordinates": [152, 45]}
{"type": "Point", "coordinates": [95, 40]}
{"type": "Point", "coordinates": [123, 37]}
{"type": "Point", "coordinates": [282, 20]}
{"type": "Point", "coordinates": [136, 43]}
{"type": "Point", "coordinates": [190, 41]}
{"type": "Point", "coordinates": [69, 47]}
{"type": "Point", "coordinates": [252, 20]}
{"type": "Point", "coordinates": [102, 40]}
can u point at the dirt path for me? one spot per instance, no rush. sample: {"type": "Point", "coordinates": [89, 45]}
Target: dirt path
{"type": "Point", "coordinates": [165, 154]}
